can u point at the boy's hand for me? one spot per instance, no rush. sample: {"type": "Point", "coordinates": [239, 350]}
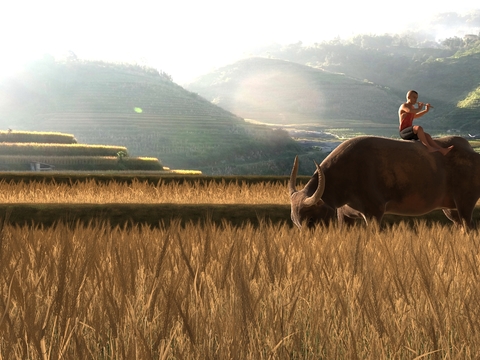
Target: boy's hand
{"type": "Point", "coordinates": [427, 106]}
{"type": "Point", "coordinates": [420, 105]}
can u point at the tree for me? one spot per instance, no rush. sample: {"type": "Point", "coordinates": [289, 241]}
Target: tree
{"type": "Point", "coordinates": [454, 43]}
{"type": "Point", "coordinates": [121, 155]}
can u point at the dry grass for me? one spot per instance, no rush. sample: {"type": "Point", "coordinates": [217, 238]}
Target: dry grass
{"type": "Point", "coordinates": [141, 192]}
{"type": "Point", "coordinates": [13, 136]}
{"type": "Point", "coordinates": [58, 149]}
{"type": "Point", "coordinates": [221, 292]}
{"type": "Point", "coordinates": [204, 291]}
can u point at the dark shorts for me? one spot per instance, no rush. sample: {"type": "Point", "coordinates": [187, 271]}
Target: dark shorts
{"type": "Point", "coordinates": [408, 134]}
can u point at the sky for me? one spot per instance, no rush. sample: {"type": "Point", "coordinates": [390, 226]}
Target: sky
{"type": "Point", "coordinates": [188, 38]}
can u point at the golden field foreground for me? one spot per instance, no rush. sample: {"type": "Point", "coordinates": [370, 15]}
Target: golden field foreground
{"type": "Point", "coordinates": [196, 192]}
{"type": "Point", "coordinates": [191, 192]}
{"type": "Point", "coordinates": [214, 290]}
{"type": "Point", "coordinates": [224, 292]}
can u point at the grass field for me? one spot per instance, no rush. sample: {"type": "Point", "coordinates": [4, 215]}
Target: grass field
{"type": "Point", "coordinates": [223, 292]}
{"type": "Point", "coordinates": [43, 199]}
{"type": "Point", "coordinates": [205, 289]}
{"type": "Point", "coordinates": [196, 192]}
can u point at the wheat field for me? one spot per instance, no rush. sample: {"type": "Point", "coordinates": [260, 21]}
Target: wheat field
{"type": "Point", "coordinates": [220, 292]}
{"type": "Point", "coordinates": [198, 192]}
{"type": "Point", "coordinates": [209, 291]}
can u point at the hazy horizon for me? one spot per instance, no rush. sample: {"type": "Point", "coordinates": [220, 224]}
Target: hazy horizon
{"type": "Point", "coordinates": [186, 39]}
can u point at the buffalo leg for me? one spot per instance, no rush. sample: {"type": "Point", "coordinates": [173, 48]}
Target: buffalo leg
{"type": "Point", "coordinates": [452, 215]}
{"type": "Point", "coordinates": [374, 213]}
{"type": "Point", "coordinates": [464, 211]}
{"type": "Point", "coordinates": [348, 216]}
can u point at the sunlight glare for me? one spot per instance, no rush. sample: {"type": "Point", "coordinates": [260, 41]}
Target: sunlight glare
{"type": "Point", "coordinates": [9, 67]}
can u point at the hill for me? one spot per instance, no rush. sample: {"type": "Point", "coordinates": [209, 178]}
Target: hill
{"type": "Point", "coordinates": [284, 92]}
{"type": "Point", "coordinates": [446, 75]}
{"type": "Point", "coordinates": [145, 111]}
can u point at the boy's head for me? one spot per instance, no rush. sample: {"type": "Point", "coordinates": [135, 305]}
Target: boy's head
{"type": "Point", "coordinates": [412, 95]}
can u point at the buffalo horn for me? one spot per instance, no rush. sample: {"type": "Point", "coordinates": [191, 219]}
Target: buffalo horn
{"type": "Point", "coordinates": [293, 177]}
{"type": "Point", "coordinates": [317, 195]}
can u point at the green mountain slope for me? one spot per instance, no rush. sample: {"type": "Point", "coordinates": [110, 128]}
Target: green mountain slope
{"type": "Point", "coordinates": [143, 110]}
{"type": "Point", "coordinates": [461, 87]}
{"type": "Point", "coordinates": [446, 77]}
{"type": "Point", "coordinates": [277, 91]}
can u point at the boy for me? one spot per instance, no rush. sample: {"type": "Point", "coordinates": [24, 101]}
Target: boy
{"type": "Point", "coordinates": [407, 113]}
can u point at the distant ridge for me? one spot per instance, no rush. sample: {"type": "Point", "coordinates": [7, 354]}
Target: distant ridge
{"type": "Point", "coordinates": [446, 73]}
{"type": "Point", "coordinates": [278, 91]}
{"type": "Point", "coordinates": [144, 110]}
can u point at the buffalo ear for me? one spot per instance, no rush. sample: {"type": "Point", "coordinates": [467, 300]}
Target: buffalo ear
{"type": "Point", "coordinates": [310, 201]}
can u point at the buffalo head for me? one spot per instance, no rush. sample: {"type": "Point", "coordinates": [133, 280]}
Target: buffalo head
{"type": "Point", "coordinates": [307, 205]}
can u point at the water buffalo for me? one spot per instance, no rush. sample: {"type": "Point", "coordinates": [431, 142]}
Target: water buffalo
{"type": "Point", "coordinates": [371, 176]}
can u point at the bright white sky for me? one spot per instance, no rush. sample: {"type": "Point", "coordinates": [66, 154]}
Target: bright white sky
{"type": "Point", "coordinates": [187, 38]}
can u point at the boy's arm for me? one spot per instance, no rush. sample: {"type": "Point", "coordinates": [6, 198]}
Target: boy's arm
{"type": "Point", "coordinates": [419, 112]}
